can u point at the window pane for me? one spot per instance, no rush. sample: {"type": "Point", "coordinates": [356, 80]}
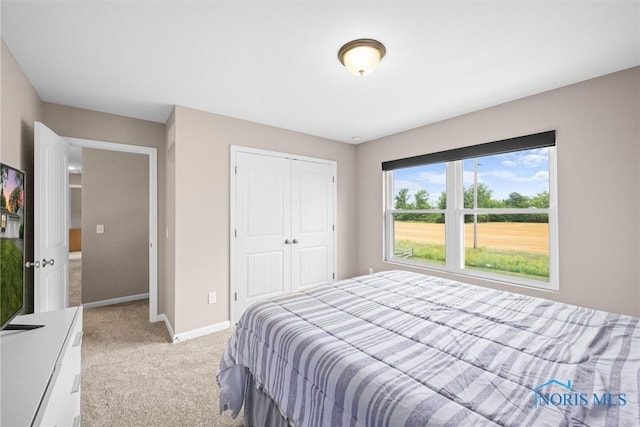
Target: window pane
{"type": "Point", "coordinates": [419, 237]}
{"type": "Point", "coordinates": [420, 187]}
{"type": "Point", "coordinates": [514, 245]}
{"type": "Point", "coordinates": [511, 180]}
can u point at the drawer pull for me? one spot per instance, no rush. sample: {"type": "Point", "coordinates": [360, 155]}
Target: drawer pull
{"type": "Point", "coordinates": [76, 421]}
{"type": "Point", "coordinates": [76, 384]}
{"type": "Point", "coordinates": [78, 340]}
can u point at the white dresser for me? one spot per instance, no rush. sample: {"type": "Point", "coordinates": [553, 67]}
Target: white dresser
{"type": "Point", "coordinates": [41, 370]}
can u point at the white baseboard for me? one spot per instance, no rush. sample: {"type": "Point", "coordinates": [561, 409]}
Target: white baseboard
{"type": "Point", "coordinates": [195, 333]}
{"type": "Point", "coordinates": [113, 301]}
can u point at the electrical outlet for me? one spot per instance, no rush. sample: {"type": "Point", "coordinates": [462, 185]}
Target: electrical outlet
{"type": "Point", "coordinates": [370, 270]}
{"type": "Point", "coordinates": [212, 297]}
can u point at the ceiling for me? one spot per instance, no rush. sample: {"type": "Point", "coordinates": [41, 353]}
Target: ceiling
{"type": "Point", "coordinates": [276, 62]}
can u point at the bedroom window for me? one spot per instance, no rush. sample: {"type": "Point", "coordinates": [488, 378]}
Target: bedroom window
{"type": "Point", "coordinates": [485, 211]}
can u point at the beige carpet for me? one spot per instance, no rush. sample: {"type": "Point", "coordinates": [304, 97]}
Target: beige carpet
{"type": "Point", "coordinates": [75, 279]}
{"type": "Point", "coordinates": [133, 376]}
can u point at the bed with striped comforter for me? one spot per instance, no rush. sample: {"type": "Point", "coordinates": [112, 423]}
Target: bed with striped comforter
{"type": "Point", "coordinates": [404, 349]}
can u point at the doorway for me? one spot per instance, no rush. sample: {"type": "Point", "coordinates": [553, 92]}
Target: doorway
{"type": "Point", "coordinates": [75, 225]}
{"type": "Point", "coordinates": [151, 154]}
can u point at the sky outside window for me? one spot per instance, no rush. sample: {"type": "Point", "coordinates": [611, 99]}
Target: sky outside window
{"type": "Point", "coordinates": [525, 172]}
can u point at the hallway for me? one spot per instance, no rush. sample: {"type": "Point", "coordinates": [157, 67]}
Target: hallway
{"type": "Point", "coordinates": [75, 279]}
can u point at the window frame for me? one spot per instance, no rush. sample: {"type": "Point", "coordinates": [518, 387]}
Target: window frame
{"type": "Point", "coordinates": [454, 227]}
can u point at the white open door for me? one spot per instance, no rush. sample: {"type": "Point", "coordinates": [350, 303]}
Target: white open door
{"type": "Point", "coordinates": [51, 221]}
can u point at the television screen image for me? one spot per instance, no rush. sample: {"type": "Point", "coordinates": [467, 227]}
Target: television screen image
{"type": "Point", "coordinates": [12, 213]}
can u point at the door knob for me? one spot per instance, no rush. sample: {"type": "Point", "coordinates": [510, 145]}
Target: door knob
{"type": "Point", "coordinates": [29, 264]}
{"type": "Point", "coordinates": [295, 241]}
{"type": "Point", "coordinates": [45, 262]}
{"type": "Point", "coordinates": [287, 242]}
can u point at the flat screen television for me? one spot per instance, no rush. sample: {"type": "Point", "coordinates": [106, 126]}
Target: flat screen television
{"type": "Point", "coordinates": [12, 215]}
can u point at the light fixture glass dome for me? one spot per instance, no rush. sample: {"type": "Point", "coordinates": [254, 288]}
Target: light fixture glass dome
{"type": "Point", "coordinates": [362, 56]}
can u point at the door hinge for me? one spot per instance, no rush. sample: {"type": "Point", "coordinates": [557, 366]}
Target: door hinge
{"type": "Point", "coordinates": [334, 275]}
{"type": "Point", "coordinates": [236, 170]}
{"type": "Point", "coordinates": [235, 232]}
{"type": "Point", "coordinates": [333, 227]}
{"type": "Point", "coordinates": [235, 297]}
{"type": "Point", "coordinates": [333, 179]}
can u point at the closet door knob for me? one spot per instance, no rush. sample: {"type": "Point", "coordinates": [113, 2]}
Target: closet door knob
{"type": "Point", "coordinates": [295, 241]}
{"type": "Point", "coordinates": [287, 242]}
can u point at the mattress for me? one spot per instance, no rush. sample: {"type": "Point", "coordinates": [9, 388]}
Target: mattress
{"type": "Point", "coordinates": [403, 349]}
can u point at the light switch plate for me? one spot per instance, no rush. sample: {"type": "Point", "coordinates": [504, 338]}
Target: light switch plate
{"type": "Point", "coordinates": [100, 229]}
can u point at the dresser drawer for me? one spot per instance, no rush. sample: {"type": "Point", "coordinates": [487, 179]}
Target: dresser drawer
{"type": "Point", "coordinates": [61, 405]}
{"type": "Point", "coordinates": [73, 350]}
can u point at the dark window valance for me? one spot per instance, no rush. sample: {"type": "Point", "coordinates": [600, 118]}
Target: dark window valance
{"type": "Point", "coordinates": [527, 142]}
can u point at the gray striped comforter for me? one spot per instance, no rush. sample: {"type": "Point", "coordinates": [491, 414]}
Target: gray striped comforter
{"type": "Point", "coordinates": [403, 349]}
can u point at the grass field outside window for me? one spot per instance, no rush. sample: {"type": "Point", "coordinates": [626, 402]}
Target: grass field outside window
{"type": "Point", "coordinates": [517, 249]}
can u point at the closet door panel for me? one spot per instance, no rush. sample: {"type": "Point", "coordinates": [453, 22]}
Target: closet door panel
{"type": "Point", "coordinates": [312, 223]}
{"type": "Point", "coordinates": [263, 223]}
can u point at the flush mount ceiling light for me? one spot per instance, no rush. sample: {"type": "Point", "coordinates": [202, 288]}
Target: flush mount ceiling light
{"type": "Point", "coordinates": [361, 56]}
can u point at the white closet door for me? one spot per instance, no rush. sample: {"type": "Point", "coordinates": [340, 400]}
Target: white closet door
{"type": "Point", "coordinates": [262, 260]}
{"type": "Point", "coordinates": [312, 223]}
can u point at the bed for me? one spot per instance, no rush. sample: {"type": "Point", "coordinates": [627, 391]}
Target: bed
{"type": "Point", "coordinates": [399, 348]}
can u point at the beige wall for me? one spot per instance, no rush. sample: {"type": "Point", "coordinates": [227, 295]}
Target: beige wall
{"type": "Point", "coordinates": [80, 123]}
{"type": "Point", "coordinates": [202, 205]}
{"type": "Point", "coordinates": [598, 152]}
{"type": "Point", "coordinates": [170, 222]}
{"type": "Point", "coordinates": [75, 195]}
{"type": "Point", "coordinates": [20, 106]}
{"type": "Point", "coordinates": [115, 194]}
